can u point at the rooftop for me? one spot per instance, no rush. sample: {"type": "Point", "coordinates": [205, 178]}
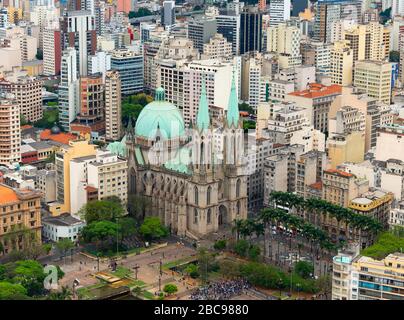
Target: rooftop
{"type": "Point", "coordinates": [339, 172]}
{"type": "Point", "coordinates": [8, 195]}
{"type": "Point", "coordinates": [62, 137]}
{"type": "Point", "coordinates": [318, 90]}
{"type": "Point", "coordinates": [64, 220]}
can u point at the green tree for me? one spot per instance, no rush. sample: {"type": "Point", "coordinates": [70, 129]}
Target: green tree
{"type": "Point", "coordinates": [64, 294]}
{"type": "Point", "coordinates": [241, 247]}
{"type": "Point", "coordinates": [206, 261]}
{"type": "Point", "coordinates": [304, 269]}
{"type": "Point", "coordinates": [64, 245]}
{"type": "Point", "coordinates": [99, 231]}
{"type": "Point", "coordinates": [220, 244]}
{"type": "Point", "coordinates": [30, 275]}
{"type": "Point", "coordinates": [12, 291]}
{"type": "Point", "coordinates": [152, 228]}
{"type": "Point", "coordinates": [142, 12]}
{"type": "Point", "coordinates": [394, 56]}
{"type": "Point", "coordinates": [170, 288]}
{"type": "Point", "coordinates": [127, 227]}
{"type": "Point", "coordinates": [192, 270]}
{"type": "Point", "coordinates": [101, 210]}
{"type": "Point", "coordinates": [138, 206]}
{"type": "Point", "coordinates": [23, 120]}
{"type": "Point", "coordinates": [47, 247]}
{"type": "Point", "coordinates": [254, 252]}
{"type": "Point", "coordinates": [245, 107]}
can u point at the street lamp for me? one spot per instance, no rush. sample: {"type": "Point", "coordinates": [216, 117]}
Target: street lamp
{"type": "Point", "coordinates": [280, 282]}
{"type": "Point", "coordinates": [298, 290]}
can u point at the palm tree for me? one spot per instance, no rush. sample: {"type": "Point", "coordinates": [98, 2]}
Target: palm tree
{"type": "Point", "coordinates": [238, 226]}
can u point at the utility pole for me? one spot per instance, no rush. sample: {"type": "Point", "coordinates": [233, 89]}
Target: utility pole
{"type": "Point", "coordinates": [136, 270]}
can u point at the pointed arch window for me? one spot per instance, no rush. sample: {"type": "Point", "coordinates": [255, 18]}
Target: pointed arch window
{"type": "Point", "coordinates": [196, 195]}
{"type": "Point", "coordinates": [195, 216]}
{"type": "Point", "coordinates": [208, 195]}
{"type": "Point", "coordinates": [238, 187]}
{"type": "Point", "coordinates": [209, 217]}
{"type": "Point", "coordinates": [238, 207]}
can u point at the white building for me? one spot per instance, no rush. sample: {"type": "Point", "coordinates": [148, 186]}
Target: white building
{"type": "Point", "coordinates": [68, 89]}
{"type": "Point", "coordinates": [61, 227]}
{"type": "Point", "coordinates": [390, 143]}
{"type": "Point", "coordinates": [279, 11]}
{"type": "Point", "coordinates": [310, 138]}
{"type": "Point", "coordinates": [100, 62]}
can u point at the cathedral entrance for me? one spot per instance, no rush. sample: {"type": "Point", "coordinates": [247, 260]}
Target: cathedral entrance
{"type": "Point", "coordinates": [222, 219]}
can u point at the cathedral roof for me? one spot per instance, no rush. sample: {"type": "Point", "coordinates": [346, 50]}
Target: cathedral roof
{"type": "Point", "coordinates": [233, 114]}
{"type": "Point", "coordinates": [180, 162]}
{"type": "Point", "coordinates": [202, 118]}
{"type": "Point", "coordinates": [160, 116]}
{"type": "Point", "coordinates": [118, 147]}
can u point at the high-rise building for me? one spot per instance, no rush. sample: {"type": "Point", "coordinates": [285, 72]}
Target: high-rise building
{"type": "Point", "coordinates": [113, 130]}
{"type": "Point", "coordinates": [374, 78]}
{"type": "Point", "coordinates": [92, 107]}
{"type": "Point", "coordinates": [262, 4]}
{"type": "Point", "coordinates": [78, 31]}
{"type": "Point", "coordinates": [341, 64]}
{"type": "Point", "coordinates": [229, 27]}
{"type": "Point", "coordinates": [52, 51]}
{"type": "Point", "coordinates": [217, 48]}
{"type": "Point", "coordinates": [285, 41]}
{"type": "Point", "coordinates": [130, 67]}
{"type": "Point", "coordinates": [68, 89]}
{"type": "Point", "coordinates": [75, 149]}
{"type": "Point", "coordinates": [250, 30]}
{"type": "Point", "coordinates": [168, 13]}
{"type": "Point", "coordinates": [317, 100]}
{"type": "Point", "coordinates": [201, 30]}
{"type": "Point", "coordinates": [27, 92]}
{"type": "Point", "coordinates": [279, 11]}
{"type": "Point", "coordinates": [10, 133]}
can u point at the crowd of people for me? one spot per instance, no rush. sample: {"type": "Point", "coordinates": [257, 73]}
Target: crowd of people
{"type": "Point", "coordinates": [222, 290]}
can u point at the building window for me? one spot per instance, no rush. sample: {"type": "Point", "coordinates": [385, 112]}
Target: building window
{"type": "Point", "coordinates": [209, 217]}
{"type": "Point", "coordinates": [195, 216]}
{"type": "Point", "coordinates": [208, 195]}
{"type": "Point", "coordinates": [196, 195]}
{"type": "Point", "coordinates": [238, 186]}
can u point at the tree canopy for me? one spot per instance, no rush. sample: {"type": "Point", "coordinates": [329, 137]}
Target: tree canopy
{"type": "Point", "coordinates": [152, 228]}
{"type": "Point", "coordinates": [12, 291]}
{"type": "Point", "coordinates": [99, 231]}
{"type": "Point", "coordinates": [101, 210]}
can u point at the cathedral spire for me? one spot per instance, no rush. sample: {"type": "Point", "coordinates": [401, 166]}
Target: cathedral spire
{"type": "Point", "coordinates": [233, 114]}
{"type": "Point", "coordinates": [202, 118]}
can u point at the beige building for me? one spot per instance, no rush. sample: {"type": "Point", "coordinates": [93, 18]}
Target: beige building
{"type": "Point", "coordinates": [217, 48]}
{"type": "Point", "coordinates": [76, 149]}
{"type": "Point", "coordinates": [340, 187]}
{"type": "Point", "coordinates": [368, 41]}
{"type": "Point", "coordinates": [113, 122]}
{"type": "Point", "coordinates": [341, 64]}
{"type": "Point", "coordinates": [10, 133]}
{"type": "Point", "coordinates": [358, 277]}
{"type": "Point", "coordinates": [19, 208]}
{"type": "Point", "coordinates": [375, 203]}
{"type": "Point", "coordinates": [317, 100]}
{"type": "Point", "coordinates": [346, 147]}
{"type": "Point", "coordinates": [390, 143]}
{"type": "Point", "coordinates": [374, 78]}
{"type": "Point", "coordinates": [284, 40]}
{"type": "Point", "coordinates": [28, 93]}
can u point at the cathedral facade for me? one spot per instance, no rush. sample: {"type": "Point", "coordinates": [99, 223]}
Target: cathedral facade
{"type": "Point", "coordinates": [194, 177]}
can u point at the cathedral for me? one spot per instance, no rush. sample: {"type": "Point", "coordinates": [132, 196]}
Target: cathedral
{"type": "Point", "coordinates": [195, 177]}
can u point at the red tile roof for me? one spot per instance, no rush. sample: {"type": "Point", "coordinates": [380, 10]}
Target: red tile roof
{"type": "Point", "coordinates": [60, 137]}
{"type": "Point", "coordinates": [318, 90]}
{"type": "Point", "coordinates": [339, 172]}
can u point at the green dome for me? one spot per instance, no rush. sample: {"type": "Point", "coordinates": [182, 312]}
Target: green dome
{"type": "Point", "coordinates": [161, 116]}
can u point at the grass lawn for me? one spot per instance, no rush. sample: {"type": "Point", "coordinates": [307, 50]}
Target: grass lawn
{"type": "Point", "coordinates": [122, 272]}
{"type": "Point", "coordinates": [148, 295]}
{"type": "Point", "coordinates": [136, 283]}
{"type": "Point", "coordinates": [85, 292]}
{"type": "Point", "coordinates": [178, 262]}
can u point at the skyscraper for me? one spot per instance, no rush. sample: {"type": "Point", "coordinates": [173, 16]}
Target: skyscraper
{"type": "Point", "coordinates": [130, 67]}
{"type": "Point", "coordinates": [168, 13]}
{"type": "Point", "coordinates": [279, 11]}
{"type": "Point", "coordinates": [200, 31]}
{"type": "Point", "coordinates": [250, 30]}
{"type": "Point", "coordinates": [78, 29]}
{"type": "Point", "coordinates": [68, 89]}
{"type": "Point", "coordinates": [229, 27]}
{"type": "Point", "coordinates": [10, 133]}
{"type": "Point", "coordinates": [113, 130]}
